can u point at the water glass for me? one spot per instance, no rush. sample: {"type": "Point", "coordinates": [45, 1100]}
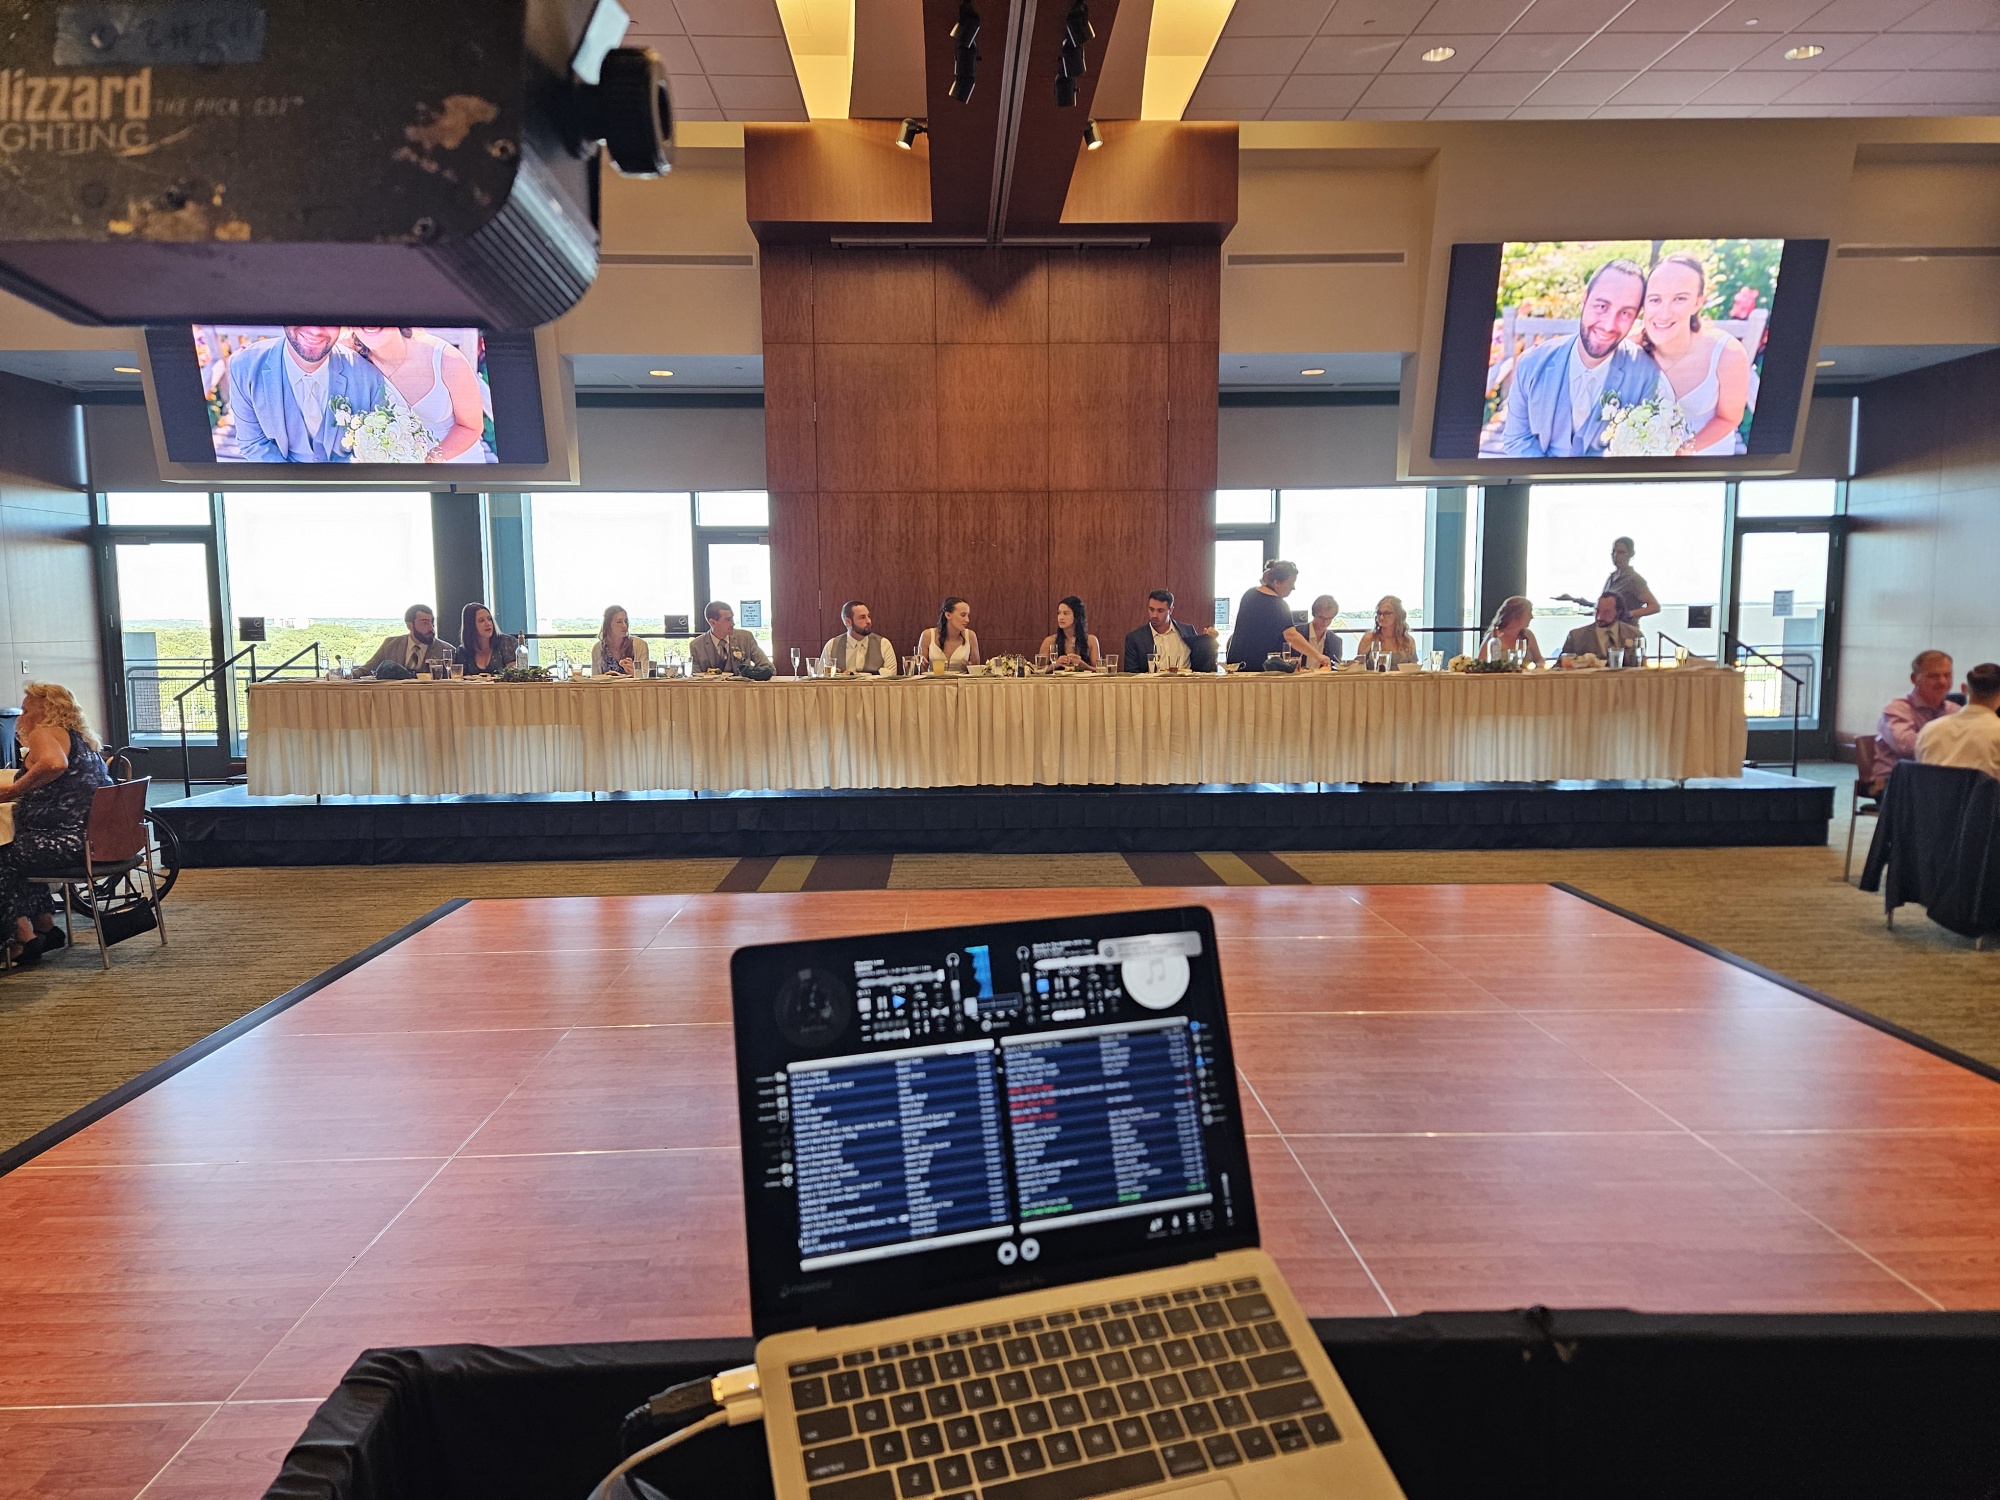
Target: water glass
{"type": "Point", "coordinates": [1437, 661]}
{"type": "Point", "coordinates": [1042, 661]}
{"type": "Point", "coordinates": [1112, 665]}
{"type": "Point", "coordinates": [1153, 662]}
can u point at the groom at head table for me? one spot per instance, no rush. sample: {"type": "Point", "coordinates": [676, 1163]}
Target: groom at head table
{"type": "Point", "coordinates": [282, 392]}
{"type": "Point", "coordinates": [1555, 405]}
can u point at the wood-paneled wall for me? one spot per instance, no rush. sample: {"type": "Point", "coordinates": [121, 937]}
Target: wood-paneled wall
{"type": "Point", "coordinates": [1009, 425]}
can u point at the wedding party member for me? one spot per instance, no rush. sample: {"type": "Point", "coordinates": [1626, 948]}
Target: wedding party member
{"type": "Point", "coordinates": [282, 393]}
{"type": "Point", "coordinates": [61, 773]}
{"type": "Point", "coordinates": [1072, 644]}
{"type": "Point", "coordinates": [1263, 623]}
{"type": "Point", "coordinates": [1635, 595]}
{"type": "Point", "coordinates": [1969, 738]}
{"type": "Point", "coordinates": [1555, 402]}
{"type": "Point", "coordinates": [1322, 643]}
{"type": "Point", "coordinates": [616, 650]}
{"type": "Point", "coordinates": [1904, 718]}
{"type": "Point", "coordinates": [858, 648]}
{"type": "Point", "coordinates": [1509, 629]}
{"type": "Point", "coordinates": [1174, 642]}
{"type": "Point", "coordinates": [434, 381]}
{"type": "Point", "coordinates": [951, 640]}
{"type": "Point", "coordinates": [1391, 633]}
{"type": "Point", "coordinates": [481, 646]}
{"type": "Point", "coordinates": [1708, 370]}
{"type": "Point", "coordinates": [722, 647]}
{"type": "Point", "coordinates": [417, 647]}
{"type": "Point", "coordinates": [1603, 633]}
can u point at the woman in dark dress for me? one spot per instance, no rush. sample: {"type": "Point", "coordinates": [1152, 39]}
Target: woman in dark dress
{"type": "Point", "coordinates": [61, 772]}
{"type": "Point", "coordinates": [483, 650]}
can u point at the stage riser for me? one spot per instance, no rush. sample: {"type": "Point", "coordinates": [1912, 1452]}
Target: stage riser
{"type": "Point", "coordinates": [230, 829]}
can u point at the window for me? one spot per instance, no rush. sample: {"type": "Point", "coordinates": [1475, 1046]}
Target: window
{"type": "Point", "coordinates": [182, 509]}
{"type": "Point", "coordinates": [339, 569]}
{"type": "Point", "coordinates": [733, 509]}
{"type": "Point", "coordinates": [592, 551]}
{"type": "Point", "coordinates": [1787, 497]}
{"type": "Point", "coordinates": [1243, 507]}
{"type": "Point", "coordinates": [1356, 545]}
{"type": "Point", "coordinates": [1677, 534]}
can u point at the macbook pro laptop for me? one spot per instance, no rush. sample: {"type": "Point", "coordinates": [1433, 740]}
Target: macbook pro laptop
{"type": "Point", "coordinates": [1003, 1241]}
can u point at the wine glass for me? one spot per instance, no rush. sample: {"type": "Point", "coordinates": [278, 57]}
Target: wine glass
{"type": "Point", "coordinates": [797, 657]}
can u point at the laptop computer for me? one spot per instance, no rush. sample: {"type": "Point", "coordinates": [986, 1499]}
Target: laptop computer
{"type": "Point", "coordinates": [1002, 1235]}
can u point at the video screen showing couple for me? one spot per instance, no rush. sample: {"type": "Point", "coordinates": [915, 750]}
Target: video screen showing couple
{"type": "Point", "coordinates": [324, 395]}
{"type": "Point", "coordinates": [1628, 348]}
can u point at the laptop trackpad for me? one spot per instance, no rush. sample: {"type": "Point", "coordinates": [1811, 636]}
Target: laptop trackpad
{"type": "Point", "coordinates": [1218, 1489]}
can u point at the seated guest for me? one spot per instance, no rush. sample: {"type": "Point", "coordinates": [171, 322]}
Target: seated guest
{"type": "Point", "coordinates": [1263, 623]}
{"type": "Point", "coordinates": [1602, 634]}
{"type": "Point", "coordinates": [1322, 643]}
{"type": "Point", "coordinates": [1904, 718]}
{"type": "Point", "coordinates": [1392, 633]}
{"type": "Point", "coordinates": [616, 651]}
{"type": "Point", "coordinates": [1072, 645]}
{"type": "Point", "coordinates": [481, 646]}
{"type": "Point", "coordinates": [1174, 643]}
{"type": "Point", "coordinates": [417, 648]}
{"type": "Point", "coordinates": [858, 648]}
{"type": "Point", "coordinates": [1971, 737]}
{"type": "Point", "coordinates": [724, 648]}
{"type": "Point", "coordinates": [951, 640]}
{"type": "Point", "coordinates": [1509, 629]}
{"type": "Point", "coordinates": [61, 772]}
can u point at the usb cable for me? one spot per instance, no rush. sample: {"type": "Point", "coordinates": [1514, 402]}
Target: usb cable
{"type": "Point", "coordinates": [728, 1400]}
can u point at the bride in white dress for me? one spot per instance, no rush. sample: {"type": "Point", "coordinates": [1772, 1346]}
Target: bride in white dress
{"type": "Point", "coordinates": [1707, 368]}
{"type": "Point", "coordinates": [434, 380]}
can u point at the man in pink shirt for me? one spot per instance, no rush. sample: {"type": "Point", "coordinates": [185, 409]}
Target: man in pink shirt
{"type": "Point", "coordinates": [1904, 718]}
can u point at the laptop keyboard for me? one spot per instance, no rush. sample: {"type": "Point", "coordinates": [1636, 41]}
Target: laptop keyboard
{"type": "Point", "coordinates": [1063, 1406]}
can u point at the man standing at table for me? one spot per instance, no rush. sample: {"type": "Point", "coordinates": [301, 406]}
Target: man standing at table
{"type": "Point", "coordinates": [1174, 642]}
{"type": "Point", "coordinates": [414, 648]}
{"type": "Point", "coordinates": [1904, 718]}
{"type": "Point", "coordinates": [724, 648]}
{"type": "Point", "coordinates": [1603, 634]}
{"type": "Point", "coordinates": [858, 648]}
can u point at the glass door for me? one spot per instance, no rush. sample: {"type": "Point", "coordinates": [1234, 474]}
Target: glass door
{"type": "Point", "coordinates": [1783, 605]}
{"type": "Point", "coordinates": [166, 593]}
{"type": "Point", "coordinates": [737, 571]}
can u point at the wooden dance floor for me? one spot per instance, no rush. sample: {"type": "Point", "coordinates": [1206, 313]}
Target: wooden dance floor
{"type": "Point", "coordinates": [518, 1126]}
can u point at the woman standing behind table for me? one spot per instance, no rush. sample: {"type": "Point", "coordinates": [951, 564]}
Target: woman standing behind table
{"type": "Point", "coordinates": [432, 379]}
{"type": "Point", "coordinates": [1072, 645]}
{"type": "Point", "coordinates": [1391, 633]}
{"type": "Point", "coordinates": [616, 651]}
{"type": "Point", "coordinates": [62, 771]}
{"type": "Point", "coordinates": [1264, 621]}
{"type": "Point", "coordinates": [483, 651]}
{"type": "Point", "coordinates": [951, 640]}
{"type": "Point", "coordinates": [1509, 629]}
{"type": "Point", "coordinates": [1322, 642]}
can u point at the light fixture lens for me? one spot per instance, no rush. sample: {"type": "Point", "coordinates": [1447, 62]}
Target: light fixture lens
{"type": "Point", "coordinates": [1093, 138]}
{"type": "Point", "coordinates": [1314, 371]}
{"type": "Point", "coordinates": [1800, 54]}
{"type": "Point", "coordinates": [1825, 363]}
{"type": "Point", "coordinates": [662, 374]}
{"type": "Point", "coordinates": [1440, 54]}
{"type": "Point", "coordinates": [906, 137]}
{"type": "Point", "coordinates": [124, 369]}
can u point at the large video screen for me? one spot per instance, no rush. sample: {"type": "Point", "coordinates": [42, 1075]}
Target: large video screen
{"type": "Point", "coordinates": [318, 394]}
{"type": "Point", "coordinates": [1625, 352]}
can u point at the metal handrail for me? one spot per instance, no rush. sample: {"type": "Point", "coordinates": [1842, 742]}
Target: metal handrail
{"type": "Point", "coordinates": [1737, 647]}
{"type": "Point", "coordinates": [211, 678]}
{"type": "Point", "coordinates": [289, 661]}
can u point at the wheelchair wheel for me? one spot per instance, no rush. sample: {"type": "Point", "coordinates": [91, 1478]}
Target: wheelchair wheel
{"type": "Point", "coordinates": [123, 890]}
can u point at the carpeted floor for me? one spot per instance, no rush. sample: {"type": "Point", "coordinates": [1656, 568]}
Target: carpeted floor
{"type": "Point", "coordinates": [69, 1033]}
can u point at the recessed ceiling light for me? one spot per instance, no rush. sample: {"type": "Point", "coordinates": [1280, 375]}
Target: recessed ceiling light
{"type": "Point", "coordinates": [124, 369]}
{"type": "Point", "coordinates": [1312, 372]}
{"type": "Point", "coordinates": [1824, 363]}
{"type": "Point", "coordinates": [663, 374]}
{"type": "Point", "coordinates": [1751, 22]}
{"type": "Point", "coordinates": [1440, 54]}
{"type": "Point", "coordinates": [1800, 54]}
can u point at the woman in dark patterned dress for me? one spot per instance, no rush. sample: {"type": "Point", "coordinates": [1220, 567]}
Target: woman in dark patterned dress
{"type": "Point", "coordinates": [61, 772]}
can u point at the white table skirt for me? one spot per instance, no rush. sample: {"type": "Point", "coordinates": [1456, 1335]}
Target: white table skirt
{"type": "Point", "coordinates": [485, 737]}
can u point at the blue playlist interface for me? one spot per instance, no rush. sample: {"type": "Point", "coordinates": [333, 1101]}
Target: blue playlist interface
{"type": "Point", "coordinates": [899, 1152]}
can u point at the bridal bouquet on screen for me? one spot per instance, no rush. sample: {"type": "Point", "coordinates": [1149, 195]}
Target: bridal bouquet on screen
{"type": "Point", "coordinates": [382, 436]}
{"type": "Point", "coordinates": [1645, 429]}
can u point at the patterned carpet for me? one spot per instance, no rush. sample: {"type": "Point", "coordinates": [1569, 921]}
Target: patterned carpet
{"type": "Point", "coordinates": [69, 1033]}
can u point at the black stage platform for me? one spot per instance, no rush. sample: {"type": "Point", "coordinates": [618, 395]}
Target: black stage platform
{"type": "Point", "coordinates": [231, 827]}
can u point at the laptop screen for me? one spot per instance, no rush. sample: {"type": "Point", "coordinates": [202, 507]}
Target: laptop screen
{"type": "Point", "coordinates": [936, 1117]}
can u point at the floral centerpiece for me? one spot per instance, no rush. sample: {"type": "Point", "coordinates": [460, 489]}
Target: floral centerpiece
{"type": "Point", "coordinates": [524, 674]}
{"type": "Point", "coordinates": [1006, 666]}
{"type": "Point", "coordinates": [381, 436]}
{"type": "Point", "coordinates": [1485, 668]}
{"type": "Point", "coordinates": [1652, 428]}
{"type": "Point", "coordinates": [1460, 663]}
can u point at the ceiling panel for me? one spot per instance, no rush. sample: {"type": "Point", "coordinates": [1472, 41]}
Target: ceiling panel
{"type": "Point", "coordinates": [726, 59]}
{"type": "Point", "coordinates": [1609, 59]}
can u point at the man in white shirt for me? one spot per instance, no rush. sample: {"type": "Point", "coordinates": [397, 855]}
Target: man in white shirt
{"type": "Point", "coordinates": [858, 648]}
{"type": "Point", "coordinates": [282, 394]}
{"type": "Point", "coordinates": [1969, 738]}
{"type": "Point", "coordinates": [1555, 400]}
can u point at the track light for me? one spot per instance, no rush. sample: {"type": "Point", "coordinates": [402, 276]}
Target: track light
{"type": "Point", "coordinates": [1092, 136]}
{"type": "Point", "coordinates": [907, 136]}
{"type": "Point", "coordinates": [1070, 65]}
{"type": "Point", "coordinates": [965, 53]}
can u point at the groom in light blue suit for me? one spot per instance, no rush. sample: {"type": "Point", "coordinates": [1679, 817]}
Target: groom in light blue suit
{"type": "Point", "coordinates": [1555, 407]}
{"type": "Point", "coordinates": [282, 393]}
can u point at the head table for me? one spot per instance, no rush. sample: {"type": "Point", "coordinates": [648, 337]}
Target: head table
{"type": "Point", "coordinates": [481, 737]}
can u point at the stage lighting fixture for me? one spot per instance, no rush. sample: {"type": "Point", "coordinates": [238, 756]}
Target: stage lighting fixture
{"type": "Point", "coordinates": [965, 53]}
{"type": "Point", "coordinates": [1092, 136]}
{"type": "Point", "coordinates": [907, 136]}
{"type": "Point", "coordinates": [1070, 65]}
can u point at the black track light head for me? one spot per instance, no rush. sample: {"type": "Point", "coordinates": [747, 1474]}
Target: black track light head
{"type": "Point", "coordinates": [906, 137]}
{"type": "Point", "coordinates": [1070, 64]}
{"type": "Point", "coordinates": [965, 53]}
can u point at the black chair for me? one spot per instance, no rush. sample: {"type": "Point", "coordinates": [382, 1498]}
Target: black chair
{"type": "Point", "coordinates": [1937, 843]}
{"type": "Point", "coordinates": [116, 846]}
